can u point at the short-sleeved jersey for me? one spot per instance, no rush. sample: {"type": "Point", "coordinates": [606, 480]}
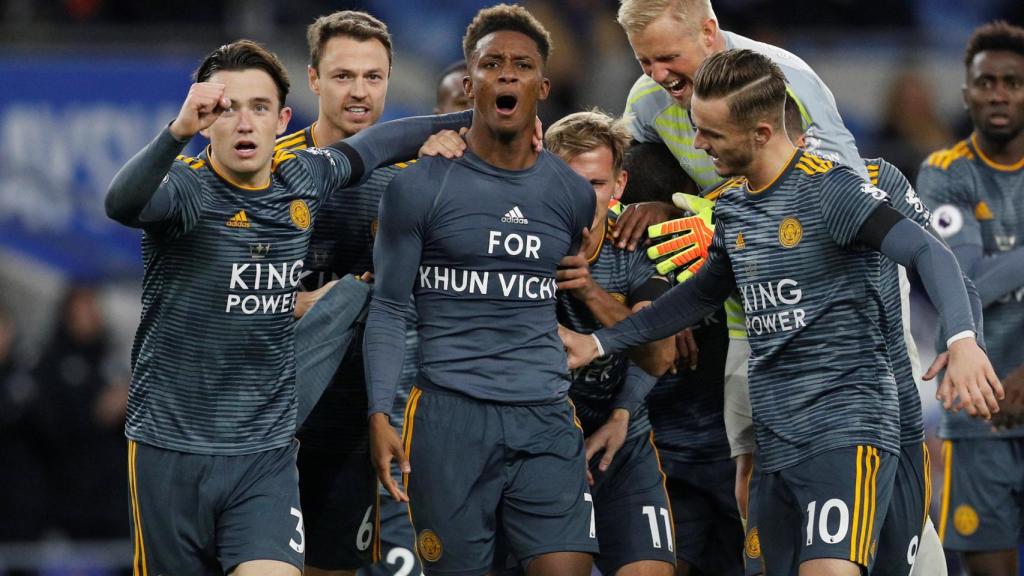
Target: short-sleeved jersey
{"type": "Point", "coordinates": [489, 241]}
{"type": "Point", "coordinates": [686, 408]}
{"type": "Point", "coordinates": [904, 199]}
{"type": "Point", "coordinates": [213, 360]}
{"type": "Point", "coordinates": [819, 368]}
{"type": "Point", "coordinates": [342, 243]}
{"type": "Point", "coordinates": [594, 387]}
{"type": "Point", "coordinates": [976, 201]}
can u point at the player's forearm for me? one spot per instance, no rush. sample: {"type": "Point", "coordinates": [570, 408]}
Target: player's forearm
{"type": "Point", "coordinates": [394, 141]}
{"type": "Point", "coordinates": [681, 307]}
{"type": "Point", "coordinates": [383, 343]}
{"type": "Point", "coordinates": [654, 358]}
{"type": "Point", "coordinates": [977, 309]}
{"type": "Point", "coordinates": [634, 390]}
{"type": "Point", "coordinates": [605, 308]}
{"type": "Point", "coordinates": [995, 275]}
{"type": "Point", "coordinates": [135, 184]}
{"type": "Point", "coordinates": [908, 244]}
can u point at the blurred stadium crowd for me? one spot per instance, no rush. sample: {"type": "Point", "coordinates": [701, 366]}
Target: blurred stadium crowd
{"type": "Point", "coordinates": [86, 82]}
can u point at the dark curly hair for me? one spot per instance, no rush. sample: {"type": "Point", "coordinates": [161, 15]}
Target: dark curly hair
{"type": "Point", "coordinates": [506, 17]}
{"type": "Point", "coordinates": [998, 35]}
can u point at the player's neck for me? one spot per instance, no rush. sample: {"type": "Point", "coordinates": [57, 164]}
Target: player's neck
{"type": "Point", "coordinates": [516, 153]}
{"type": "Point", "coordinates": [255, 180]}
{"type": "Point", "coordinates": [769, 164]}
{"type": "Point", "coordinates": [1009, 153]}
{"type": "Point", "coordinates": [597, 233]}
{"type": "Point", "coordinates": [325, 133]}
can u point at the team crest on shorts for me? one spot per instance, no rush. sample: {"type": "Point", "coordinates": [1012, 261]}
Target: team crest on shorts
{"type": "Point", "coordinates": [752, 546]}
{"type": "Point", "coordinates": [429, 546]}
{"type": "Point", "coordinates": [965, 520]}
{"type": "Point", "coordinates": [300, 214]}
{"type": "Point", "coordinates": [790, 232]}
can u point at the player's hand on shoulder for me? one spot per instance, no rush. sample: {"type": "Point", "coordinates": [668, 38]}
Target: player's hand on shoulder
{"type": "Point", "coordinates": [632, 224]}
{"type": "Point", "coordinates": [970, 378]}
{"type": "Point", "coordinates": [447, 143]}
{"type": "Point", "coordinates": [581, 349]}
{"type": "Point", "coordinates": [385, 446]}
{"type": "Point", "coordinates": [573, 274]}
{"type": "Point", "coordinates": [609, 437]}
{"type": "Point", "coordinates": [203, 105]}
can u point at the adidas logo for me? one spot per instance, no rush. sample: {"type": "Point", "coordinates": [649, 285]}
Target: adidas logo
{"type": "Point", "coordinates": [239, 220]}
{"type": "Point", "coordinates": [515, 216]}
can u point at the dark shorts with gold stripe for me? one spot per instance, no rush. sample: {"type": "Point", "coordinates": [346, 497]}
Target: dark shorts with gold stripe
{"type": "Point", "coordinates": [753, 559]}
{"type": "Point", "coordinates": [709, 534]}
{"type": "Point", "coordinates": [397, 542]}
{"type": "Point", "coordinates": [632, 508]}
{"type": "Point", "coordinates": [340, 500]}
{"type": "Point", "coordinates": [829, 506]}
{"type": "Point", "coordinates": [481, 468]}
{"type": "Point", "coordinates": [205, 514]}
{"type": "Point", "coordinates": [908, 511]}
{"type": "Point", "coordinates": [982, 494]}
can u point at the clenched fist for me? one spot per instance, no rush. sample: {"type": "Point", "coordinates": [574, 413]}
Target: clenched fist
{"type": "Point", "coordinates": [203, 105]}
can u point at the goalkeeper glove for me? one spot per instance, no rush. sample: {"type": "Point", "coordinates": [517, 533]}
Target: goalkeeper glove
{"type": "Point", "coordinates": [692, 237]}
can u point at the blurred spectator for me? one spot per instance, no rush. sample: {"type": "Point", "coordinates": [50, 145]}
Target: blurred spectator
{"type": "Point", "coordinates": [79, 418]}
{"type": "Point", "coordinates": [911, 128]}
{"type": "Point", "coordinates": [21, 479]}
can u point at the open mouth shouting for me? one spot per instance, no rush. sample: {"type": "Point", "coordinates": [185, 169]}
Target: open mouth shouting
{"type": "Point", "coordinates": [245, 149]}
{"type": "Point", "coordinates": [506, 105]}
{"type": "Point", "coordinates": [677, 88]}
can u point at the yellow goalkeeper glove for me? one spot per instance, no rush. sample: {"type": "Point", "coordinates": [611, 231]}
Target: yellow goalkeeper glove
{"type": "Point", "coordinates": [690, 237]}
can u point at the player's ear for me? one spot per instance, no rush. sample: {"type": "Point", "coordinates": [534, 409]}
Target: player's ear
{"type": "Point", "coordinates": [708, 33]}
{"type": "Point", "coordinates": [314, 80]}
{"type": "Point", "coordinates": [283, 117]}
{"type": "Point", "coordinates": [467, 85]}
{"type": "Point", "coordinates": [763, 133]}
{"type": "Point", "coordinates": [963, 94]}
{"type": "Point", "coordinates": [620, 184]}
{"type": "Point", "coordinates": [545, 88]}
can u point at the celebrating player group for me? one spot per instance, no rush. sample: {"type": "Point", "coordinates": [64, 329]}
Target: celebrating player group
{"type": "Point", "coordinates": [462, 345]}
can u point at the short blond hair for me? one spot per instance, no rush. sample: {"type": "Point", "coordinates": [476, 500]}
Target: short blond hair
{"type": "Point", "coordinates": [587, 131]}
{"type": "Point", "coordinates": [636, 15]}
